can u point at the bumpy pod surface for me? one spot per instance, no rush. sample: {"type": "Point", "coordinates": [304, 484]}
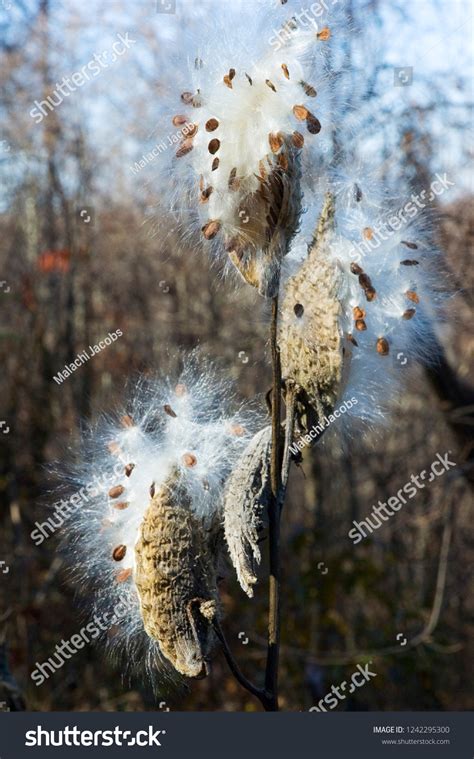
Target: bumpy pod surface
{"type": "Point", "coordinates": [246, 503]}
{"type": "Point", "coordinates": [312, 346]}
{"type": "Point", "coordinates": [174, 575]}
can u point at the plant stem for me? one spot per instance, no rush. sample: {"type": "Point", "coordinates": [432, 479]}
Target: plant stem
{"type": "Point", "coordinates": [271, 670]}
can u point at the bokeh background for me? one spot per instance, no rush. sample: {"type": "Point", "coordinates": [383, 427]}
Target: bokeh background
{"type": "Point", "coordinates": [88, 245]}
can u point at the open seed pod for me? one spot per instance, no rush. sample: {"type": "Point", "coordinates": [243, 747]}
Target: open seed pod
{"type": "Point", "coordinates": [175, 577]}
{"type": "Point", "coordinates": [266, 219]}
{"type": "Point", "coordinates": [246, 503]}
{"type": "Point", "coordinates": [314, 352]}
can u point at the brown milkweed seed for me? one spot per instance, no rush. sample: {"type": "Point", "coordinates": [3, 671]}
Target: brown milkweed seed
{"type": "Point", "coordinates": [234, 182]}
{"type": "Point", "coordinates": [119, 552]}
{"type": "Point", "coordinates": [276, 141]}
{"type": "Point", "coordinates": [187, 97]}
{"type": "Point", "coordinates": [409, 313]}
{"type": "Point", "coordinates": [231, 74]}
{"type": "Point", "coordinates": [382, 346]}
{"type": "Point", "coordinates": [357, 193]}
{"type": "Point", "coordinates": [270, 84]}
{"type": "Point", "coordinates": [297, 140]}
{"type": "Point", "coordinates": [368, 233]}
{"type": "Point", "coordinates": [116, 491]}
{"type": "Point", "coordinates": [180, 390]}
{"type": "Point", "coordinates": [237, 430]}
{"type": "Point", "coordinates": [364, 281]}
{"type": "Point", "coordinates": [129, 469]}
{"type": "Point", "coordinates": [179, 120]}
{"type": "Point", "coordinates": [214, 146]}
{"type": "Point", "coordinates": [121, 505]}
{"type": "Point", "coordinates": [370, 293]}
{"type": "Point", "coordinates": [123, 575]}
{"type": "Point", "coordinates": [206, 194]}
{"type": "Point", "coordinates": [152, 490]}
{"type": "Point", "coordinates": [190, 130]}
{"type": "Point", "coordinates": [285, 70]}
{"type": "Point", "coordinates": [352, 340]}
{"type": "Point", "coordinates": [250, 79]}
{"type": "Point", "coordinates": [413, 296]}
{"type": "Point", "coordinates": [411, 245]}
{"type": "Point", "coordinates": [168, 410]}
{"type": "Point", "coordinates": [127, 421]}
{"type": "Point", "coordinates": [215, 164]}
{"type": "Point", "coordinates": [300, 112]}
{"type": "Point", "coordinates": [313, 124]}
{"type": "Point", "coordinates": [185, 148]}
{"type": "Point", "coordinates": [205, 485]}
{"type": "Point", "coordinates": [228, 81]}
{"type": "Point", "coordinates": [283, 161]}
{"type": "Point", "coordinates": [360, 325]}
{"type": "Point", "coordinates": [409, 262]}
{"type": "Point", "coordinates": [359, 313]}
{"type": "Point", "coordinates": [114, 448]}
{"type": "Point", "coordinates": [189, 460]}
{"type": "Point", "coordinates": [299, 310]}
{"type": "Point", "coordinates": [309, 90]}
{"type": "Point", "coordinates": [211, 125]}
{"type": "Point", "coordinates": [211, 229]}
{"type": "Point", "coordinates": [324, 34]}
{"type": "Point", "coordinates": [356, 269]}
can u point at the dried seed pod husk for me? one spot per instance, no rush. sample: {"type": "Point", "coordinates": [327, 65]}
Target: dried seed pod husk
{"type": "Point", "coordinates": [246, 502]}
{"type": "Point", "coordinates": [175, 574]}
{"type": "Point", "coordinates": [311, 349]}
{"type": "Point", "coordinates": [267, 219]}
{"type": "Point", "coordinates": [185, 148]}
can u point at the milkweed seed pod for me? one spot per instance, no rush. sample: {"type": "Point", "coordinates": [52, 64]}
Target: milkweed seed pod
{"type": "Point", "coordinates": [246, 501]}
{"type": "Point", "coordinates": [312, 346]}
{"type": "Point", "coordinates": [254, 112]}
{"type": "Point", "coordinates": [357, 300]}
{"type": "Point", "coordinates": [139, 530]}
{"type": "Point", "coordinates": [175, 575]}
